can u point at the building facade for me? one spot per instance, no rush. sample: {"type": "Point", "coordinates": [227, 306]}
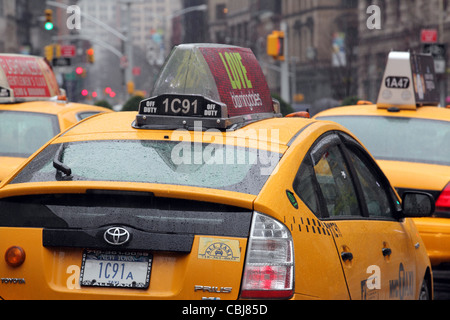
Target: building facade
{"type": "Point", "coordinates": [21, 26]}
{"type": "Point", "coordinates": [400, 29]}
{"type": "Point", "coordinates": [314, 31]}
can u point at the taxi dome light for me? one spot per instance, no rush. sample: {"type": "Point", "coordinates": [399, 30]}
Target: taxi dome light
{"type": "Point", "coordinates": [15, 256]}
{"type": "Point", "coordinates": [409, 81]}
{"type": "Point", "coordinates": [222, 86]}
{"type": "Point", "coordinates": [269, 266]}
{"type": "Point", "coordinates": [443, 202]}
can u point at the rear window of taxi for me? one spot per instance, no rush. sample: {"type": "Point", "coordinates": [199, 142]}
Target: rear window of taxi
{"type": "Point", "coordinates": [401, 138]}
{"type": "Point", "coordinates": [22, 133]}
{"type": "Point", "coordinates": [224, 167]}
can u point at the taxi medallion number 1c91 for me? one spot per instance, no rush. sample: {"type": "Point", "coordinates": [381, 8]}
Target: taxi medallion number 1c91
{"type": "Point", "coordinates": [178, 105]}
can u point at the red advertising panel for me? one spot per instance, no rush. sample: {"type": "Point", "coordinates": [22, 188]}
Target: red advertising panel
{"type": "Point", "coordinates": [428, 36]}
{"type": "Point", "coordinates": [27, 76]}
{"type": "Point", "coordinates": [239, 79]}
{"type": "Point", "coordinates": [68, 51]}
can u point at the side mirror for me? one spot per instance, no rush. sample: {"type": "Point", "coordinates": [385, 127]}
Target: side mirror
{"type": "Point", "coordinates": [417, 204]}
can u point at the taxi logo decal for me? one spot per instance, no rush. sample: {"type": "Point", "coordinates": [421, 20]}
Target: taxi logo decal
{"type": "Point", "coordinates": [219, 249]}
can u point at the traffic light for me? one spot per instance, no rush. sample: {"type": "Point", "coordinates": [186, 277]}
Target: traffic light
{"type": "Point", "coordinates": [90, 55]}
{"type": "Point", "coordinates": [130, 87]}
{"type": "Point", "coordinates": [48, 52]}
{"type": "Point", "coordinates": [48, 19]}
{"type": "Point", "coordinates": [275, 45]}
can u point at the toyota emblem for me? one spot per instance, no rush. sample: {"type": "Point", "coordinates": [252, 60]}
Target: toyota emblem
{"type": "Point", "coordinates": [116, 236]}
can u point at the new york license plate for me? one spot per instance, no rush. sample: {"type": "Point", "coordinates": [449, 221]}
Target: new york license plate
{"type": "Point", "coordinates": [116, 269]}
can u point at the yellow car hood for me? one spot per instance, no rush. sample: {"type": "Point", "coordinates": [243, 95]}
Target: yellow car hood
{"type": "Point", "coordinates": [409, 175]}
{"type": "Point", "coordinates": [8, 165]}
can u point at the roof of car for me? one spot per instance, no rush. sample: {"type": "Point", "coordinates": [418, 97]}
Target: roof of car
{"type": "Point", "coordinates": [119, 125]}
{"type": "Point", "coordinates": [432, 112]}
{"type": "Point", "coordinates": [50, 107]}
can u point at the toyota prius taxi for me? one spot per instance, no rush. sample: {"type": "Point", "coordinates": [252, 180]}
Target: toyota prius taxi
{"type": "Point", "coordinates": [409, 135]}
{"type": "Point", "coordinates": [32, 109]}
{"type": "Point", "coordinates": [208, 193]}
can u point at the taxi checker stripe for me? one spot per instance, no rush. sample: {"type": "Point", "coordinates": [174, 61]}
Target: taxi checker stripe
{"type": "Point", "coordinates": [116, 236]}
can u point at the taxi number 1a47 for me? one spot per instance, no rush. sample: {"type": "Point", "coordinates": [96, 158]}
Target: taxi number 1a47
{"type": "Point", "coordinates": [116, 269]}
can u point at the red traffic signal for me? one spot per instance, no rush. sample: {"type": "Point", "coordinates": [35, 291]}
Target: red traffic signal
{"type": "Point", "coordinates": [79, 70]}
{"type": "Point", "coordinates": [84, 92]}
{"type": "Point", "coordinates": [90, 55]}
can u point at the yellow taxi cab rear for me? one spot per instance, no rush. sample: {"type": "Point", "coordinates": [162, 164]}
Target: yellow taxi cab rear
{"type": "Point", "coordinates": [411, 145]}
{"type": "Point", "coordinates": [188, 199]}
{"type": "Point", "coordinates": [32, 109]}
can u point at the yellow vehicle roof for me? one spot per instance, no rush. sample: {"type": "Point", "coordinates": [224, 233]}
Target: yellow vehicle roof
{"type": "Point", "coordinates": [118, 126]}
{"type": "Point", "coordinates": [50, 107]}
{"type": "Point", "coordinates": [433, 113]}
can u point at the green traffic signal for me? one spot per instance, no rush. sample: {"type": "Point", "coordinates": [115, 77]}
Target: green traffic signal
{"type": "Point", "coordinates": [48, 26]}
{"type": "Point", "coordinates": [48, 19]}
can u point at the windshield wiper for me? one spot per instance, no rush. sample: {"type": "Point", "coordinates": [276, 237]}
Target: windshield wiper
{"type": "Point", "coordinates": [58, 164]}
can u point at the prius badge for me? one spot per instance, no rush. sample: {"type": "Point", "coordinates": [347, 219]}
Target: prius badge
{"type": "Point", "coordinates": [116, 236]}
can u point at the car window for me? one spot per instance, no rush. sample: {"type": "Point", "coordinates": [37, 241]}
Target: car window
{"type": "Point", "coordinates": [376, 198]}
{"type": "Point", "coordinates": [22, 133]}
{"type": "Point", "coordinates": [305, 187]}
{"type": "Point", "coordinates": [335, 182]}
{"type": "Point", "coordinates": [86, 114]}
{"type": "Point", "coordinates": [223, 167]}
{"type": "Point", "coordinates": [397, 138]}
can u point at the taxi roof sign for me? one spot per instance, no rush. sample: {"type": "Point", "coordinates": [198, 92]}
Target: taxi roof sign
{"type": "Point", "coordinates": [26, 78]}
{"type": "Point", "coordinates": [409, 81]}
{"type": "Point", "coordinates": [220, 85]}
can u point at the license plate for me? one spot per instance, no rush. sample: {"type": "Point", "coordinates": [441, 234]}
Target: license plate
{"type": "Point", "coordinates": [116, 269]}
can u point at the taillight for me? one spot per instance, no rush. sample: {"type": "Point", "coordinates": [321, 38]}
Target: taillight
{"type": "Point", "coordinates": [15, 256]}
{"type": "Point", "coordinates": [443, 202]}
{"type": "Point", "coordinates": [269, 264]}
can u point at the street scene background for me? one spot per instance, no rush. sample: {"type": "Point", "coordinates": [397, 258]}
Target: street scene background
{"type": "Point", "coordinates": [109, 52]}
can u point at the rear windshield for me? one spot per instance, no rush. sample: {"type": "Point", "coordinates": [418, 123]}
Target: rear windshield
{"type": "Point", "coordinates": [222, 167]}
{"type": "Point", "coordinates": [401, 139]}
{"type": "Point", "coordinates": [22, 133]}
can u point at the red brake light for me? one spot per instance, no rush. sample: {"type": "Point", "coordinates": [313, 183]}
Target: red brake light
{"type": "Point", "coordinates": [269, 267]}
{"type": "Point", "coordinates": [443, 202]}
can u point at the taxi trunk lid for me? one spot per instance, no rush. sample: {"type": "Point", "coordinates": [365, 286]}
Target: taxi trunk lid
{"type": "Point", "coordinates": [181, 249]}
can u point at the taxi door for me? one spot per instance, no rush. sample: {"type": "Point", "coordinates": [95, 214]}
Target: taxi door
{"type": "Point", "coordinates": [374, 247]}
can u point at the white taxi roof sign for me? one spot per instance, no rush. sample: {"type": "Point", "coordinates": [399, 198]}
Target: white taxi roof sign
{"type": "Point", "coordinates": [409, 81]}
{"type": "Point", "coordinates": [222, 86]}
{"type": "Point", "coordinates": [26, 78]}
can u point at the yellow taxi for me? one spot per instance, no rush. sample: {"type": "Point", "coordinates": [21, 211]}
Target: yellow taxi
{"type": "Point", "coordinates": [32, 109]}
{"type": "Point", "coordinates": [208, 193]}
{"type": "Point", "coordinates": [410, 139]}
